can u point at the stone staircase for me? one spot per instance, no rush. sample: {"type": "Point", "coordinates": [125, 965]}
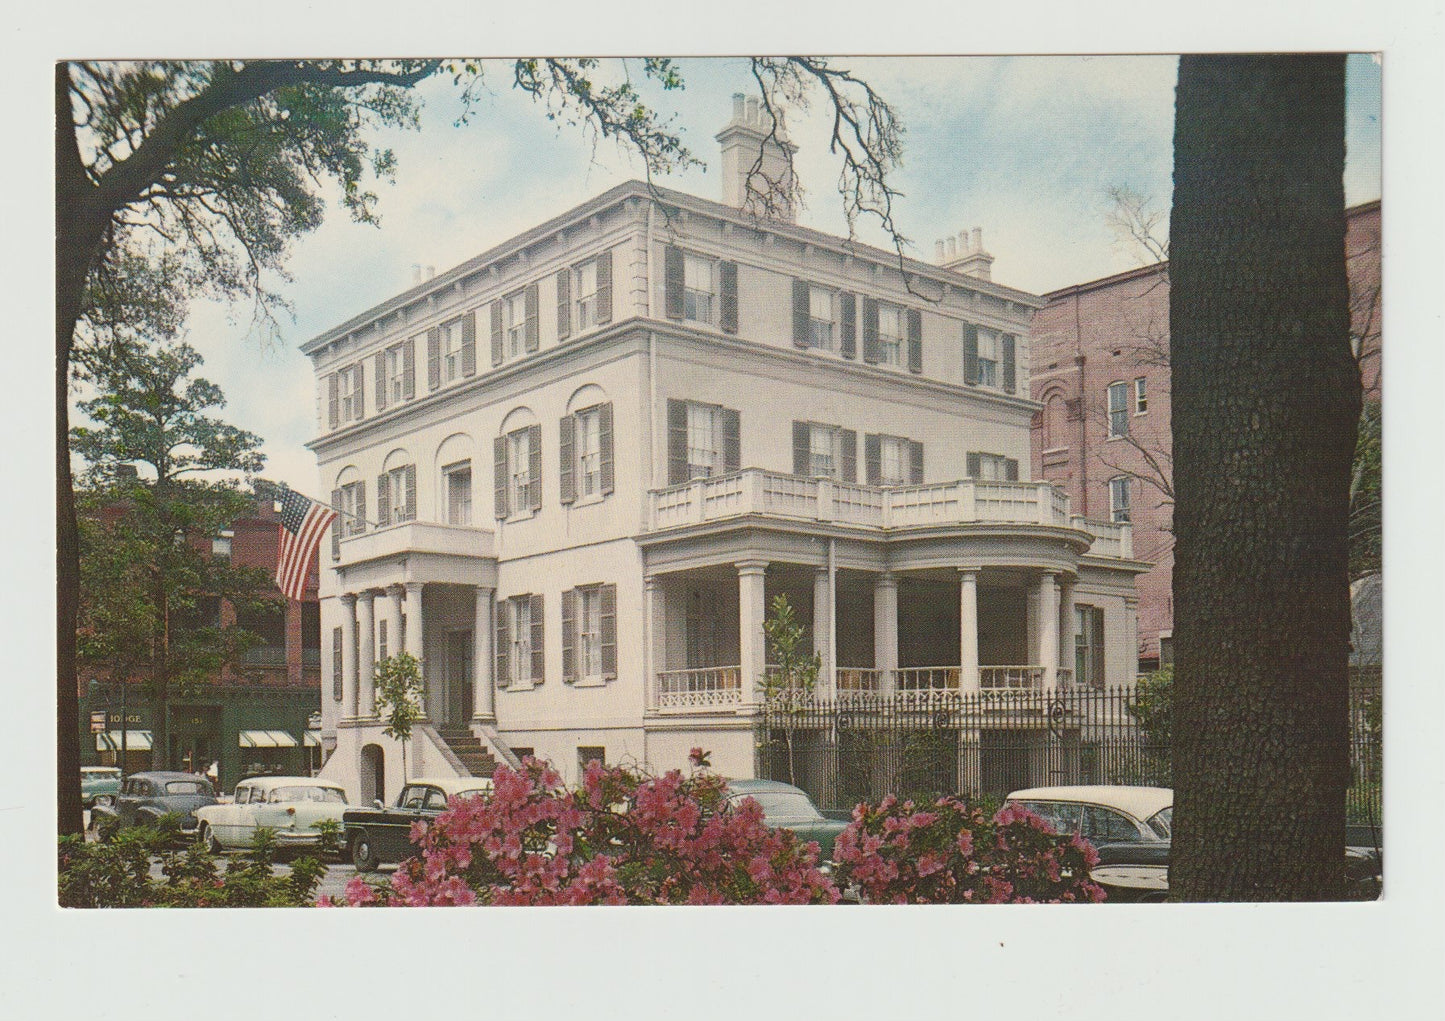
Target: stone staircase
{"type": "Point", "coordinates": [469, 749]}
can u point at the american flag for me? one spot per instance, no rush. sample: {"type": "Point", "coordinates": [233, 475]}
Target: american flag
{"type": "Point", "coordinates": [303, 522]}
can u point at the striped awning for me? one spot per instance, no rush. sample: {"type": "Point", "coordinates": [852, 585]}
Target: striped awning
{"type": "Point", "coordinates": [313, 739]}
{"type": "Point", "coordinates": [135, 741]}
{"type": "Point", "coordinates": [266, 739]}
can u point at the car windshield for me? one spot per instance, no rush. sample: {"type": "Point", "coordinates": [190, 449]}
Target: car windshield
{"type": "Point", "coordinates": [100, 772]}
{"type": "Point", "coordinates": [326, 794]}
{"type": "Point", "coordinates": [187, 787]}
{"type": "Point", "coordinates": [783, 804]}
{"type": "Point", "coordinates": [1161, 822]}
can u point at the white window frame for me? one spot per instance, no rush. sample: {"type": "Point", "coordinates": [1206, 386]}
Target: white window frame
{"type": "Point", "coordinates": [1116, 406]}
{"type": "Point", "coordinates": [898, 450]}
{"type": "Point", "coordinates": [824, 463]}
{"type": "Point", "coordinates": [348, 382]}
{"type": "Point", "coordinates": [589, 632]}
{"type": "Point", "coordinates": [1119, 512]}
{"type": "Point", "coordinates": [396, 492]}
{"type": "Point", "coordinates": [519, 660]}
{"type": "Point", "coordinates": [890, 345]}
{"type": "Point", "coordinates": [588, 445]}
{"type": "Point", "coordinates": [221, 543]}
{"type": "Point", "coordinates": [354, 526]}
{"type": "Point", "coordinates": [395, 375]}
{"type": "Point", "coordinates": [704, 461]}
{"type": "Point", "coordinates": [514, 325]}
{"type": "Point", "coordinates": [450, 474]}
{"type": "Point", "coordinates": [822, 317]}
{"type": "Point", "coordinates": [699, 305]}
{"type": "Point", "coordinates": [1141, 396]}
{"type": "Point", "coordinates": [988, 344]}
{"type": "Point", "coordinates": [519, 472]}
{"type": "Point", "coordinates": [992, 468]}
{"type": "Point", "coordinates": [585, 303]}
{"type": "Point", "coordinates": [451, 350]}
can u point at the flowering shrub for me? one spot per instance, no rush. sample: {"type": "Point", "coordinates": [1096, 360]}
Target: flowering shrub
{"type": "Point", "coordinates": [954, 852]}
{"type": "Point", "coordinates": [620, 838]}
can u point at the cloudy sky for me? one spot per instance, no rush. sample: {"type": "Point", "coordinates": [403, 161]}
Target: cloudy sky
{"type": "Point", "coordinates": [1023, 147]}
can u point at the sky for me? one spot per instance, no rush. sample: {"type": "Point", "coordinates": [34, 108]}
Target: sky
{"type": "Point", "coordinates": [1025, 148]}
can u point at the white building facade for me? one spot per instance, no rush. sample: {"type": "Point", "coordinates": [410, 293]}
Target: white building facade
{"type": "Point", "coordinates": [577, 468]}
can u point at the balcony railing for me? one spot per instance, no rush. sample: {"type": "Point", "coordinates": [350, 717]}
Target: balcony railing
{"type": "Point", "coordinates": [418, 537]}
{"type": "Point", "coordinates": [721, 687]}
{"type": "Point", "coordinates": [698, 688]}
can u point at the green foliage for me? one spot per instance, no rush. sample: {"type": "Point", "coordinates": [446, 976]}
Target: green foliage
{"type": "Point", "coordinates": [329, 832]}
{"type": "Point", "coordinates": [1153, 706]}
{"type": "Point", "coordinates": [398, 693]}
{"type": "Point", "coordinates": [796, 669]}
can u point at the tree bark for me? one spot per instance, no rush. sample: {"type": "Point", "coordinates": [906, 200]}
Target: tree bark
{"type": "Point", "coordinates": [1266, 397]}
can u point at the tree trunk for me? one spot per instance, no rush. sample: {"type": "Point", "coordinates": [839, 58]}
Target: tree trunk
{"type": "Point", "coordinates": [1266, 397]}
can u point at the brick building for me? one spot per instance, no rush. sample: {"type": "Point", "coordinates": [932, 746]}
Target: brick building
{"type": "Point", "coordinates": [1101, 374]}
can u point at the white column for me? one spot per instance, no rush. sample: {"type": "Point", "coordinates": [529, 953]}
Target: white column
{"type": "Point", "coordinates": [1066, 626]}
{"type": "Point", "coordinates": [1131, 634]}
{"type": "Point", "coordinates": [752, 606]}
{"type": "Point", "coordinates": [366, 659]}
{"type": "Point", "coordinates": [1049, 627]}
{"type": "Point", "coordinates": [885, 629]}
{"type": "Point", "coordinates": [484, 692]}
{"type": "Point", "coordinates": [348, 655]}
{"type": "Point", "coordinates": [393, 619]}
{"type": "Point", "coordinates": [822, 629]}
{"type": "Point", "coordinates": [416, 634]}
{"type": "Point", "coordinates": [655, 649]}
{"type": "Point", "coordinates": [968, 629]}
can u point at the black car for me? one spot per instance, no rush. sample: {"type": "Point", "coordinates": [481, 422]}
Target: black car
{"type": "Point", "coordinates": [145, 797]}
{"type": "Point", "coordinates": [382, 835]}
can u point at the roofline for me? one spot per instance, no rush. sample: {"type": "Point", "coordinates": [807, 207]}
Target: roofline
{"type": "Point", "coordinates": [1163, 265]}
{"type": "Point", "coordinates": [642, 190]}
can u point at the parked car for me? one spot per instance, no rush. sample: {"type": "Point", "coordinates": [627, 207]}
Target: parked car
{"type": "Point", "coordinates": [785, 807]}
{"type": "Point", "coordinates": [291, 806]}
{"type": "Point", "coordinates": [1128, 826]}
{"type": "Point", "coordinates": [99, 785]}
{"type": "Point", "coordinates": [381, 835]}
{"type": "Point", "coordinates": [145, 797]}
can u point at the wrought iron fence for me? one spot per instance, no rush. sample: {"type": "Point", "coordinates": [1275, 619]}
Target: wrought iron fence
{"type": "Point", "coordinates": [864, 745]}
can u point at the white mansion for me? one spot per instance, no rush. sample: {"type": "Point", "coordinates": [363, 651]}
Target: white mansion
{"type": "Point", "coordinates": [576, 469]}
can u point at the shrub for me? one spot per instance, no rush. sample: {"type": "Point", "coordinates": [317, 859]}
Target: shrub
{"type": "Point", "coordinates": [952, 851]}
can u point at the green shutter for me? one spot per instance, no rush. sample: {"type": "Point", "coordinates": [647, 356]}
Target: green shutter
{"type": "Point", "coordinates": [336, 525]}
{"type": "Point", "coordinates": [915, 462]}
{"type": "Point", "coordinates": [408, 369]}
{"type": "Point", "coordinates": [800, 313]}
{"type": "Point", "coordinates": [732, 440]}
{"type": "Point", "coordinates": [411, 492]}
{"type": "Point", "coordinates": [672, 282]}
{"type": "Point", "coordinates": [870, 331]}
{"type": "Point", "coordinates": [564, 304]}
{"type": "Point", "coordinates": [504, 643]}
{"type": "Point", "coordinates": [539, 658]}
{"type": "Point", "coordinates": [531, 302]}
{"type": "Point", "coordinates": [381, 381]}
{"type": "Point", "coordinates": [609, 631]}
{"type": "Point", "coordinates": [974, 464]}
{"type": "Point", "coordinates": [499, 477]}
{"type": "Point", "coordinates": [604, 445]}
{"type": "Point", "coordinates": [848, 325]}
{"type": "Point", "coordinates": [433, 358]}
{"type": "Point", "coordinates": [676, 442]}
{"type": "Point", "coordinates": [534, 465]}
{"type": "Point", "coordinates": [565, 457]}
{"type": "Point", "coordinates": [915, 340]}
{"type": "Point", "coordinates": [569, 635]}
{"type": "Point", "coordinates": [469, 344]}
{"type": "Point", "coordinates": [728, 296]}
{"type": "Point", "coordinates": [1010, 363]}
{"type": "Point", "coordinates": [497, 332]}
{"type": "Point", "coordinates": [1010, 470]}
{"type": "Point", "coordinates": [383, 501]}
{"type": "Point", "coordinates": [849, 445]}
{"type": "Point", "coordinates": [802, 449]}
{"type": "Point", "coordinates": [970, 354]}
{"type": "Point", "coordinates": [873, 458]}
{"type": "Point", "coordinates": [604, 288]}
{"type": "Point", "coordinates": [334, 399]}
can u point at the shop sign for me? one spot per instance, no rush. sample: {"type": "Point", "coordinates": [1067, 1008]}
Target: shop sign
{"type": "Point", "coordinates": [97, 722]}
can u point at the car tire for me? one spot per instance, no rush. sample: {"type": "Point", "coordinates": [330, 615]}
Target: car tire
{"type": "Point", "coordinates": [208, 839]}
{"type": "Point", "coordinates": [363, 853]}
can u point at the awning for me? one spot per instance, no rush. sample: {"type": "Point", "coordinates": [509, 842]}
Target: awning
{"type": "Point", "coordinates": [267, 739]}
{"type": "Point", "coordinates": [135, 741]}
{"type": "Point", "coordinates": [313, 739]}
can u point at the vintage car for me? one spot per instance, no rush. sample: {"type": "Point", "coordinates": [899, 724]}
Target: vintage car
{"type": "Point", "coordinates": [381, 835]}
{"type": "Point", "coordinates": [144, 798]}
{"type": "Point", "coordinates": [785, 807]}
{"type": "Point", "coordinates": [290, 806]}
{"type": "Point", "coordinates": [99, 785]}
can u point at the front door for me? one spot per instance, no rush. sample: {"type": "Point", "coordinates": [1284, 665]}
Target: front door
{"type": "Point", "coordinates": [459, 678]}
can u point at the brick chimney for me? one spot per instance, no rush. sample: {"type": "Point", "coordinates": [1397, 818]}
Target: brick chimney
{"type": "Point", "coordinates": [741, 140]}
{"type": "Point", "coordinates": [964, 254]}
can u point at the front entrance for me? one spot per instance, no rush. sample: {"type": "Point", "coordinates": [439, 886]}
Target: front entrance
{"type": "Point", "coordinates": [457, 705]}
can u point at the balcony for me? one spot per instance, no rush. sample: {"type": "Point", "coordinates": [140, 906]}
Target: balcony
{"type": "Point", "coordinates": [421, 537]}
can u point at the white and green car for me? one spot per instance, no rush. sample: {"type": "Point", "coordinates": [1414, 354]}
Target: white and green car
{"type": "Point", "coordinates": [290, 806]}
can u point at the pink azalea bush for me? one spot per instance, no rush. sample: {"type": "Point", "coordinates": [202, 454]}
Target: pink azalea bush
{"type": "Point", "coordinates": [955, 852]}
{"type": "Point", "coordinates": [621, 838]}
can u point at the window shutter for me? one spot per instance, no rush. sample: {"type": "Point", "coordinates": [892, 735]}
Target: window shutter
{"type": "Point", "coordinates": [469, 344]}
{"type": "Point", "coordinates": [604, 288]}
{"type": "Point", "coordinates": [848, 325]}
{"type": "Point", "coordinates": [539, 658]}
{"type": "Point", "coordinates": [534, 465]}
{"type": "Point", "coordinates": [334, 399]}
{"type": "Point", "coordinates": [672, 282]}
{"type": "Point", "coordinates": [728, 296]}
{"type": "Point", "coordinates": [433, 358]}
{"type": "Point", "coordinates": [800, 313]}
{"type": "Point", "coordinates": [380, 380]}
{"type": "Point", "coordinates": [569, 635]}
{"type": "Point", "coordinates": [873, 458]}
{"type": "Point", "coordinates": [411, 492]}
{"type": "Point", "coordinates": [1010, 470]}
{"type": "Point", "coordinates": [732, 440]}
{"type": "Point", "coordinates": [358, 407]}
{"type": "Point", "coordinates": [849, 456]}
{"type": "Point", "coordinates": [915, 340]}
{"type": "Point", "coordinates": [499, 477]}
{"type": "Point", "coordinates": [1010, 363]}
{"type": "Point", "coordinates": [676, 442]}
{"type": "Point", "coordinates": [609, 630]}
{"type": "Point", "coordinates": [564, 304]}
{"type": "Point", "coordinates": [497, 332]}
{"type": "Point", "coordinates": [504, 642]}
{"type": "Point", "coordinates": [802, 449]}
{"type": "Point", "coordinates": [565, 456]}
{"type": "Point", "coordinates": [359, 525]}
{"type": "Point", "coordinates": [408, 369]}
{"type": "Point", "coordinates": [336, 526]}
{"type": "Point", "coordinates": [975, 467]}
{"type": "Point", "coordinates": [870, 331]}
{"type": "Point", "coordinates": [604, 445]}
{"type": "Point", "coordinates": [531, 302]}
{"type": "Point", "coordinates": [1097, 646]}
{"type": "Point", "coordinates": [337, 686]}
{"type": "Point", "coordinates": [970, 354]}
{"type": "Point", "coordinates": [915, 462]}
{"type": "Point", "coordinates": [383, 501]}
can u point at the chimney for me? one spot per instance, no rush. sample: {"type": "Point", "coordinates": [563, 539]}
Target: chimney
{"type": "Point", "coordinates": [964, 254]}
{"type": "Point", "coordinates": [431, 272]}
{"type": "Point", "coordinates": [741, 140]}
{"type": "Point", "coordinates": [415, 273]}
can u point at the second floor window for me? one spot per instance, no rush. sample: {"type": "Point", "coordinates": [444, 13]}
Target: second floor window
{"type": "Point", "coordinates": [697, 289]}
{"type": "Point", "coordinates": [890, 335]}
{"type": "Point", "coordinates": [519, 460]}
{"type": "Point", "coordinates": [459, 493]}
{"type": "Point", "coordinates": [353, 507]}
{"type": "Point", "coordinates": [1141, 397]}
{"type": "Point", "coordinates": [518, 472]}
{"type": "Point", "coordinates": [1119, 499]}
{"type": "Point", "coordinates": [992, 467]}
{"type": "Point", "coordinates": [589, 452]}
{"type": "Point", "coordinates": [1118, 410]}
{"type": "Point", "coordinates": [987, 358]}
{"type": "Point", "coordinates": [396, 495]}
{"type": "Point", "coordinates": [704, 440]}
{"type": "Point", "coordinates": [893, 461]}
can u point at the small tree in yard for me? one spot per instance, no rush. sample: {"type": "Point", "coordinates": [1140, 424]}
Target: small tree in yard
{"type": "Point", "coordinates": [398, 698]}
{"type": "Point", "coordinates": [791, 684]}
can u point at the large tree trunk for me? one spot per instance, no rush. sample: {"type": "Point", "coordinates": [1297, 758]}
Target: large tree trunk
{"type": "Point", "coordinates": [1266, 397]}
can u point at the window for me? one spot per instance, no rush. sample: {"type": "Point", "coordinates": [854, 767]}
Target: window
{"type": "Point", "coordinates": [585, 456]}
{"type": "Point", "coordinates": [589, 633]}
{"type": "Point", "coordinates": [823, 450]}
{"type": "Point", "coordinates": [395, 375]}
{"type": "Point", "coordinates": [459, 493]}
{"type": "Point", "coordinates": [1089, 646]}
{"type": "Point", "coordinates": [514, 323]}
{"type": "Point", "coordinates": [820, 318]}
{"type": "Point", "coordinates": [451, 348]}
{"type": "Point", "coordinates": [987, 358]}
{"type": "Point", "coordinates": [890, 335]}
{"type": "Point", "coordinates": [349, 380]}
{"type": "Point", "coordinates": [992, 467]}
{"type": "Point", "coordinates": [519, 641]}
{"type": "Point", "coordinates": [589, 452]}
{"type": "Point", "coordinates": [590, 753]}
{"type": "Point", "coordinates": [221, 544]}
{"type": "Point", "coordinates": [704, 440]}
{"type": "Point", "coordinates": [893, 461]}
{"type": "Point", "coordinates": [519, 461]}
{"type": "Point", "coordinates": [517, 475]}
{"type": "Point", "coordinates": [352, 506]}
{"type": "Point", "coordinates": [697, 288]}
{"type": "Point", "coordinates": [586, 284]}
{"type": "Point", "coordinates": [1119, 499]}
{"type": "Point", "coordinates": [396, 495]}
{"type": "Point", "coordinates": [1118, 410]}
{"type": "Point", "coordinates": [1141, 398]}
